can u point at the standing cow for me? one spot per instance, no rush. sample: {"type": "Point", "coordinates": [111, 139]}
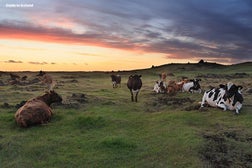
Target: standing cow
{"type": "Point", "coordinates": [47, 80]}
{"type": "Point", "coordinates": [226, 97]}
{"type": "Point", "coordinates": [192, 86]}
{"type": "Point", "coordinates": [116, 80]}
{"type": "Point", "coordinates": [134, 84]}
{"type": "Point", "coordinates": [162, 76]}
{"type": "Point", "coordinates": [37, 110]}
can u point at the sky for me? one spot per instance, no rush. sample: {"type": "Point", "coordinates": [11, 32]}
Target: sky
{"type": "Point", "coordinates": [105, 35]}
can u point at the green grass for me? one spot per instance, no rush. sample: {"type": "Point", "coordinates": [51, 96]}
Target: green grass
{"type": "Point", "coordinates": [111, 131]}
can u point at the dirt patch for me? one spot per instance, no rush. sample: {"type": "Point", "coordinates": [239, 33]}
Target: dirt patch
{"type": "Point", "coordinates": [74, 101]}
{"type": "Point", "coordinates": [227, 148]}
{"type": "Point", "coordinates": [174, 100]}
{"type": "Point", "coordinates": [159, 102]}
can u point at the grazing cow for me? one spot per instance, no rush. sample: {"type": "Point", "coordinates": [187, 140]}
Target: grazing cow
{"type": "Point", "coordinates": [226, 97]}
{"type": "Point", "coordinates": [134, 84]}
{"type": "Point", "coordinates": [159, 87]}
{"type": "Point", "coordinates": [162, 76]}
{"type": "Point", "coordinates": [116, 80]}
{"type": "Point", "coordinates": [192, 86]}
{"type": "Point", "coordinates": [47, 80]}
{"type": "Point", "coordinates": [37, 110]}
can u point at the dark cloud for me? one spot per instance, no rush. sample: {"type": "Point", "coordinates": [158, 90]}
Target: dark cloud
{"type": "Point", "coordinates": [180, 29]}
{"type": "Point", "coordinates": [13, 61]}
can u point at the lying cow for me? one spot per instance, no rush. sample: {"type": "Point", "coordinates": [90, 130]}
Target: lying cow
{"type": "Point", "coordinates": [159, 87]}
{"type": "Point", "coordinates": [192, 86]}
{"type": "Point", "coordinates": [116, 80]}
{"type": "Point", "coordinates": [174, 87]}
{"type": "Point", "coordinates": [47, 80]}
{"type": "Point", "coordinates": [37, 110]}
{"type": "Point", "coordinates": [226, 97]}
{"type": "Point", "coordinates": [134, 84]}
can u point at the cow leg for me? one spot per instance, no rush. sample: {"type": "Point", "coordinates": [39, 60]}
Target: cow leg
{"type": "Point", "coordinates": [203, 100]}
{"type": "Point", "coordinates": [238, 107]}
{"type": "Point", "coordinates": [136, 96]}
{"type": "Point", "coordinates": [131, 95]}
{"type": "Point", "coordinates": [222, 105]}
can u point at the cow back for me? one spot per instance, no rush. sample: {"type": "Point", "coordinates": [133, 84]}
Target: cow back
{"type": "Point", "coordinates": [33, 112]}
{"type": "Point", "coordinates": [134, 82]}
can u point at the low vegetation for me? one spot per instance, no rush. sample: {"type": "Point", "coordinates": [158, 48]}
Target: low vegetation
{"type": "Point", "coordinates": [98, 125]}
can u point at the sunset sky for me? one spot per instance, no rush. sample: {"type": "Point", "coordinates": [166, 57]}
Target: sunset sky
{"type": "Point", "coordinates": [89, 35]}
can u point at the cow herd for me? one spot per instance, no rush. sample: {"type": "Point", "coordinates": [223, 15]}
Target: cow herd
{"type": "Point", "coordinates": [226, 97]}
{"type": "Point", "coordinates": [38, 111]}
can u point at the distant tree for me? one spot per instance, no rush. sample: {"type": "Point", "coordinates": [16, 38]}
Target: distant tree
{"type": "Point", "coordinates": [201, 61]}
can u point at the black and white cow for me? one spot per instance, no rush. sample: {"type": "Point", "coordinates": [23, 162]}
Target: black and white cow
{"type": "Point", "coordinates": [192, 86]}
{"type": "Point", "coordinates": [116, 80]}
{"type": "Point", "coordinates": [227, 97]}
{"type": "Point", "coordinates": [134, 84]}
{"type": "Point", "coordinates": [159, 87]}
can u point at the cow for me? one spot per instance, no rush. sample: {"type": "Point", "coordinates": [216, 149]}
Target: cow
{"type": "Point", "coordinates": [174, 87]}
{"type": "Point", "coordinates": [159, 87]}
{"type": "Point", "coordinates": [192, 86]}
{"type": "Point", "coordinates": [134, 84]}
{"type": "Point", "coordinates": [162, 76]}
{"type": "Point", "coordinates": [226, 97]}
{"type": "Point", "coordinates": [37, 110]}
{"type": "Point", "coordinates": [47, 80]}
{"type": "Point", "coordinates": [116, 80]}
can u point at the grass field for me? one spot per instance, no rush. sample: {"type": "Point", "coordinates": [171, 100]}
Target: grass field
{"type": "Point", "coordinates": [108, 130]}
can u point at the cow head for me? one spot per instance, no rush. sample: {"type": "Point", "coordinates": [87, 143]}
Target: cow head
{"type": "Point", "coordinates": [52, 97]}
{"type": "Point", "coordinates": [232, 89]}
{"type": "Point", "coordinates": [196, 85]}
{"type": "Point", "coordinates": [135, 76]}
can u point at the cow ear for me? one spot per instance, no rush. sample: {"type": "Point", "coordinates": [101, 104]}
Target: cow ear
{"type": "Point", "coordinates": [239, 87]}
{"type": "Point", "coordinates": [140, 76]}
{"type": "Point", "coordinates": [222, 86]}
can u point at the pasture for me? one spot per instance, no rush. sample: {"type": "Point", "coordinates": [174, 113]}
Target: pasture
{"type": "Point", "coordinates": [98, 125]}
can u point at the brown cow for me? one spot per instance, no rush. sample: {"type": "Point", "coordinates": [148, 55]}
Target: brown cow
{"type": "Point", "coordinates": [47, 80]}
{"type": "Point", "coordinates": [134, 84]}
{"type": "Point", "coordinates": [162, 76]}
{"type": "Point", "coordinates": [174, 87]}
{"type": "Point", "coordinates": [37, 110]}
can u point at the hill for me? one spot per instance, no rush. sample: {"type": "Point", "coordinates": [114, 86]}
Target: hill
{"type": "Point", "coordinates": [103, 128]}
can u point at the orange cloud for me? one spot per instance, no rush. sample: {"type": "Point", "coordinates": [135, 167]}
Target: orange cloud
{"type": "Point", "coordinates": [58, 35]}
